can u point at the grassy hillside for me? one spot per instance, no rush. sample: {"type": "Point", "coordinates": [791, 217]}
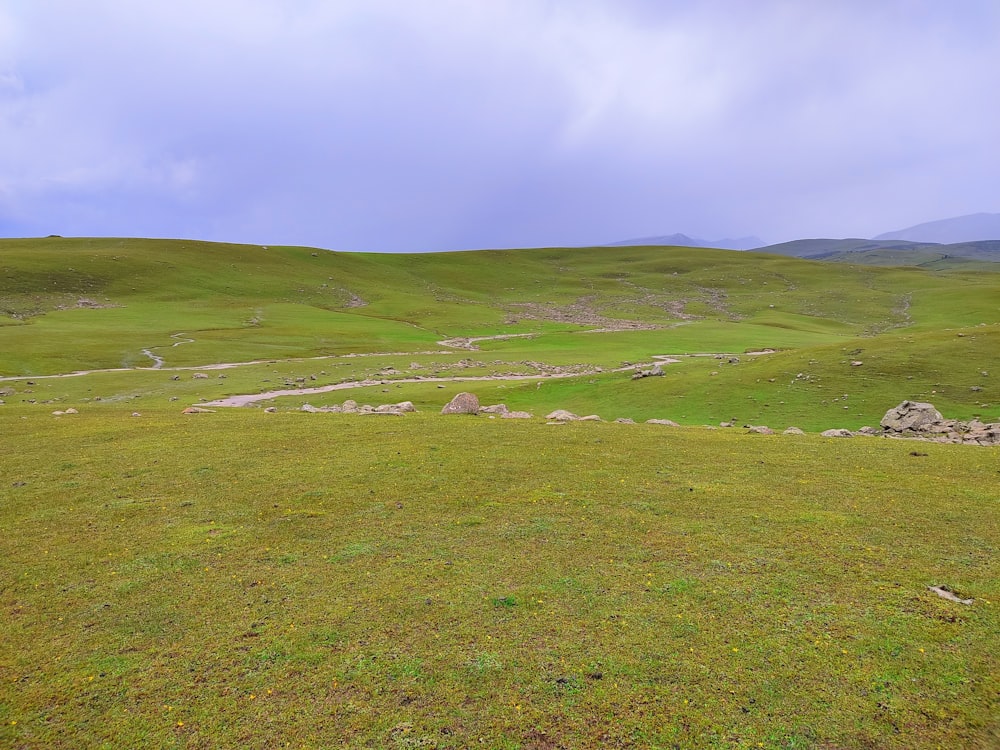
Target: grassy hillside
{"type": "Point", "coordinates": [251, 579]}
{"type": "Point", "coordinates": [91, 303]}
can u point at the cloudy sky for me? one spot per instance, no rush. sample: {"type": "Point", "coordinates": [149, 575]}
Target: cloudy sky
{"type": "Point", "coordinates": [412, 125]}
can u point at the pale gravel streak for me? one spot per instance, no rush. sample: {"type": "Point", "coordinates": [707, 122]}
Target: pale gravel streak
{"type": "Point", "coordinates": [228, 365]}
{"type": "Point", "coordinates": [250, 398]}
{"type": "Point", "coordinates": [246, 400]}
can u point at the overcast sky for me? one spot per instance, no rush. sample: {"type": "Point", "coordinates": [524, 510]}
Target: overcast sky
{"type": "Point", "coordinates": [412, 125]}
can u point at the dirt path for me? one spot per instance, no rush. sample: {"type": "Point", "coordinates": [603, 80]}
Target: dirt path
{"type": "Point", "coordinates": [157, 359]}
{"type": "Point", "coordinates": [226, 365]}
{"type": "Point", "coordinates": [250, 398]}
{"type": "Point", "coordinates": [469, 342]}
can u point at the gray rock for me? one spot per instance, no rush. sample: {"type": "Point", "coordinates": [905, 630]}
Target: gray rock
{"type": "Point", "coordinates": [793, 431]}
{"type": "Point", "coordinates": [405, 407]}
{"type": "Point", "coordinates": [561, 415]}
{"type": "Point", "coordinates": [868, 431]}
{"type": "Point", "coordinates": [494, 409]}
{"type": "Point", "coordinates": [837, 433]}
{"type": "Point", "coordinates": [516, 415]}
{"type": "Point", "coordinates": [590, 418]}
{"type": "Point", "coordinates": [308, 408]}
{"type": "Point", "coordinates": [199, 410]}
{"type": "Point", "coordinates": [625, 420]}
{"type": "Point", "coordinates": [667, 422]}
{"type": "Point", "coordinates": [760, 430]}
{"type": "Point", "coordinates": [911, 415]}
{"type": "Point", "coordinates": [350, 406]}
{"type": "Point", "coordinates": [462, 403]}
{"type": "Point", "coordinates": [199, 376]}
{"type": "Point", "coordinates": [271, 410]}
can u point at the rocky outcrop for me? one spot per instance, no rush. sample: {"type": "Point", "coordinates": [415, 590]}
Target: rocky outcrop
{"type": "Point", "coordinates": [463, 403]}
{"type": "Point", "coordinates": [911, 416]}
{"type": "Point", "coordinates": [923, 422]}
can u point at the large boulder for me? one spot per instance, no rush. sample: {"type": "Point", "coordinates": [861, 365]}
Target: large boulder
{"type": "Point", "coordinates": [463, 403]}
{"type": "Point", "coordinates": [911, 416]}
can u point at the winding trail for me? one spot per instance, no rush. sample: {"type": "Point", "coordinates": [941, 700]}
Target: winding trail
{"type": "Point", "coordinates": [469, 342]}
{"type": "Point", "coordinates": [157, 359]}
{"type": "Point", "coordinates": [250, 398]}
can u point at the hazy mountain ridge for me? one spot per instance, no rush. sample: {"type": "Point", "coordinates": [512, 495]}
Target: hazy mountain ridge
{"type": "Point", "coordinates": [683, 240]}
{"type": "Point", "coordinates": [969, 228]}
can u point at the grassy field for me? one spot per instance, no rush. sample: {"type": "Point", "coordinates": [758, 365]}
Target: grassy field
{"type": "Point", "coordinates": [252, 579]}
{"type": "Point", "coordinates": [242, 579]}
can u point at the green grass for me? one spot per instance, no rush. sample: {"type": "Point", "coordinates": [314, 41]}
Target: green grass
{"type": "Point", "coordinates": [243, 579]}
{"type": "Point", "coordinates": [318, 579]}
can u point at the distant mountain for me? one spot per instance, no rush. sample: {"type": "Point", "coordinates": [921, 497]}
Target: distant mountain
{"type": "Point", "coordinates": [982, 253]}
{"type": "Point", "coordinates": [948, 231]}
{"type": "Point", "coordinates": [682, 240]}
{"type": "Point", "coordinates": [818, 248]}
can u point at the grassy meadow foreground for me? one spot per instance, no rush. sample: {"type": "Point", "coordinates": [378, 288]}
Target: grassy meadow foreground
{"type": "Point", "coordinates": [251, 579]}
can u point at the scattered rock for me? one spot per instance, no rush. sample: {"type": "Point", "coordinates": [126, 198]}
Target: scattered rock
{"type": "Point", "coordinates": [71, 410]}
{"type": "Point", "coordinates": [590, 418]}
{"type": "Point", "coordinates": [667, 422]}
{"type": "Point", "coordinates": [561, 415]}
{"type": "Point", "coordinates": [516, 415]}
{"type": "Point", "coordinates": [197, 410]}
{"type": "Point", "coordinates": [868, 431]}
{"type": "Point", "coordinates": [760, 430]}
{"type": "Point", "coordinates": [856, 363]}
{"type": "Point", "coordinates": [946, 593]}
{"type": "Point", "coordinates": [405, 407]}
{"type": "Point", "coordinates": [654, 372]}
{"type": "Point", "coordinates": [350, 406]}
{"type": "Point", "coordinates": [495, 409]}
{"type": "Point", "coordinates": [793, 431]}
{"type": "Point", "coordinates": [624, 420]}
{"type": "Point", "coordinates": [309, 408]}
{"type": "Point", "coordinates": [200, 376]}
{"type": "Point", "coordinates": [837, 433]}
{"type": "Point", "coordinates": [271, 410]}
{"type": "Point", "coordinates": [462, 403]}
